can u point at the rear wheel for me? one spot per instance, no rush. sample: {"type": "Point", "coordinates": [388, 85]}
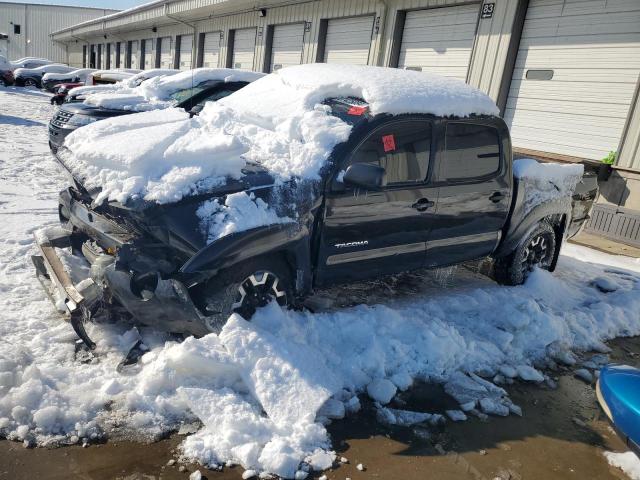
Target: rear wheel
{"type": "Point", "coordinates": [538, 249]}
{"type": "Point", "coordinates": [245, 288]}
{"type": "Point", "coordinates": [30, 82]}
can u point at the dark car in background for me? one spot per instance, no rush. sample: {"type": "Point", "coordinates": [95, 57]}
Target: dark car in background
{"type": "Point", "coordinates": [6, 78]}
{"type": "Point", "coordinates": [32, 77]}
{"type": "Point", "coordinates": [71, 116]}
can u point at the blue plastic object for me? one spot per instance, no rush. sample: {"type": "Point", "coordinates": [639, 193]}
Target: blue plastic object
{"type": "Point", "coordinates": [618, 392]}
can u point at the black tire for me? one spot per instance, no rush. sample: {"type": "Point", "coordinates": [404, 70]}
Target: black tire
{"type": "Point", "coordinates": [537, 249]}
{"type": "Point", "coordinates": [244, 288]}
{"type": "Point", "coordinates": [30, 82]}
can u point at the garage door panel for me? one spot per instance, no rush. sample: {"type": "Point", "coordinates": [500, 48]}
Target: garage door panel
{"type": "Point", "coordinates": [135, 54]}
{"type": "Point", "coordinates": [348, 40]}
{"type": "Point", "coordinates": [287, 45]}
{"type": "Point", "coordinates": [244, 46]}
{"type": "Point", "coordinates": [149, 54]}
{"type": "Point", "coordinates": [165, 52]}
{"type": "Point", "coordinates": [572, 92]}
{"type": "Point", "coordinates": [439, 40]}
{"type": "Point", "coordinates": [186, 48]}
{"type": "Point", "coordinates": [211, 50]}
{"type": "Point", "coordinates": [593, 49]}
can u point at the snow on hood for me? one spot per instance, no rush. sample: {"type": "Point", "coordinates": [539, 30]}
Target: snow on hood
{"type": "Point", "coordinates": [52, 67]}
{"type": "Point", "coordinates": [130, 80]}
{"type": "Point", "coordinates": [154, 93]}
{"type": "Point", "coordinates": [81, 73]}
{"type": "Point", "coordinates": [278, 121]}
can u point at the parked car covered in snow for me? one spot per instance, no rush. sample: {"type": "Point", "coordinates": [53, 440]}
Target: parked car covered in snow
{"type": "Point", "coordinates": [32, 77]}
{"type": "Point", "coordinates": [188, 90]}
{"type": "Point", "coordinates": [25, 62]}
{"type": "Point", "coordinates": [51, 80]}
{"type": "Point", "coordinates": [108, 77]}
{"type": "Point", "coordinates": [80, 94]}
{"type": "Point", "coordinates": [309, 177]}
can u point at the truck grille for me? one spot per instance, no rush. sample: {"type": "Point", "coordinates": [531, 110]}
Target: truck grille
{"type": "Point", "coordinates": [61, 118]}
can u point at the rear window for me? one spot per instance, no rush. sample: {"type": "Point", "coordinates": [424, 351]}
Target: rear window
{"type": "Point", "coordinates": [472, 151]}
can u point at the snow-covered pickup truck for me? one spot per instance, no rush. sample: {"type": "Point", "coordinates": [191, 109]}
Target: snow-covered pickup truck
{"type": "Point", "coordinates": [308, 177]}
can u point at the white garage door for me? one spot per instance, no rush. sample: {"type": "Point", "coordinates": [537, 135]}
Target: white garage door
{"type": "Point", "coordinates": [348, 40]}
{"type": "Point", "coordinates": [165, 53]}
{"type": "Point", "coordinates": [123, 53]}
{"type": "Point", "coordinates": [135, 55]}
{"type": "Point", "coordinates": [286, 47]}
{"type": "Point", "coordinates": [244, 47]}
{"type": "Point", "coordinates": [112, 55]}
{"type": "Point", "coordinates": [439, 40]}
{"type": "Point", "coordinates": [149, 54]}
{"type": "Point", "coordinates": [574, 77]}
{"type": "Point", "coordinates": [186, 47]}
{"type": "Point", "coordinates": [211, 50]}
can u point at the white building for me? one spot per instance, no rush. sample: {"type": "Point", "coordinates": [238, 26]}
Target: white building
{"type": "Point", "coordinates": [564, 73]}
{"type": "Point", "coordinates": [25, 28]}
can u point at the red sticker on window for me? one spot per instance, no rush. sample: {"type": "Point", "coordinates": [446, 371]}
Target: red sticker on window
{"type": "Point", "coordinates": [356, 110]}
{"type": "Point", "coordinates": [389, 143]}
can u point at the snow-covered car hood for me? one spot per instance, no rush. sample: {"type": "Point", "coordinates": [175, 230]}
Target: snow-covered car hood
{"type": "Point", "coordinates": [81, 74]}
{"type": "Point", "coordinates": [57, 68]}
{"type": "Point", "coordinates": [278, 121]}
{"type": "Point", "coordinates": [155, 92]}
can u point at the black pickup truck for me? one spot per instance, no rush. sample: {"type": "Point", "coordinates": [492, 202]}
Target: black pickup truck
{"type": "Point", "coordinates": [403, 192]}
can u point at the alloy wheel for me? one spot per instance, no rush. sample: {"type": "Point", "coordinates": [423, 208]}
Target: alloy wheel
{"type": "Point", "coordinates": [29, 82]}
{"type": "Point", "coordinates": [256, 291]}
{"type": "Point", "coordinates": [537, 253]}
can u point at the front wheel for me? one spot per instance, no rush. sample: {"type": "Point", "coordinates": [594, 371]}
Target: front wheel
{"type": "Point", "coordinates": [243, 289]}
{"type": "Point", "coordinates": [538, 249]}
{"type": "Point", "coordinates": [30, 82]}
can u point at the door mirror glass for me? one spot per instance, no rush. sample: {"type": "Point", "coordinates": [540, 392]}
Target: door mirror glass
{"type": "Point", "coordinates": [365, 175]}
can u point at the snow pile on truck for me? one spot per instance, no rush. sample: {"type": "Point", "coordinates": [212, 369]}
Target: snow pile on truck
{"type": "Point", "coordinates": [155, 93]}
{"type": "Point", "coordinates": [278, 121]}
{"type": "Point", "coordinates": [546, 181]}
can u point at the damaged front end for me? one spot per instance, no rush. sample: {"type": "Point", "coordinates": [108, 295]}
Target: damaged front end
{"type": "Point", "coordinates": [125, 274]}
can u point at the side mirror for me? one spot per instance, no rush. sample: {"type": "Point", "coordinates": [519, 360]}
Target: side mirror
{"type": "Point", "coordinates": [365, 175]}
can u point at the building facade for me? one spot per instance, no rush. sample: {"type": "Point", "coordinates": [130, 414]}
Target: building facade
{"type": "Point", "coordinates": [565, 73]}
{"type": "Point", "coordinates": [25, 29]}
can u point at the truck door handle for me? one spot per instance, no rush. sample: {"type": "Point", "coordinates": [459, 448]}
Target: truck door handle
{"type": "Point", "coordinates": [423, 204]}
{"type": "Point", "coordinates": [496, 197]}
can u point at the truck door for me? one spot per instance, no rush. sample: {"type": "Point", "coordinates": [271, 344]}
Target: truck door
{"type": "Point", "coordinates": [371, 233]}
{"type": "Point", "coordinates": [475, 182]}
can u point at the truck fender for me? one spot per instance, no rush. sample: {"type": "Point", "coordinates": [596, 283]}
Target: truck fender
{"type": "Point", "coordinates": [289, 239]}
{"type": "Point", "coordinates": [517, 230]}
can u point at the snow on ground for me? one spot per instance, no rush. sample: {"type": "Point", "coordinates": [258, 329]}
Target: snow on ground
{"type": "Point", "coordinates": [264, 390]}
{"type": "Point", "coordinates": [628, 462]}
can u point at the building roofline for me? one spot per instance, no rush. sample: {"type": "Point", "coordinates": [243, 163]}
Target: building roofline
{"type": "Point", "coordinates": [59, 6]}
{"type": "Point", "coordinates": [116, 14]}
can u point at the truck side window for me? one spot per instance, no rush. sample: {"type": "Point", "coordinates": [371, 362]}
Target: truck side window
{"type": "Point", "coordinates": [472, 151]}
{"type": "Point", "coordinates": [402, 148]}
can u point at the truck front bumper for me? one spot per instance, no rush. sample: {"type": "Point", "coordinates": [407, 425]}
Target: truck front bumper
{"type": "Point", "coordinates": [163, 303]}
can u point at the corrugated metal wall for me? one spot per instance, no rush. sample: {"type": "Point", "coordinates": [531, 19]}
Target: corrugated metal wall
{"type": "Point", "coordinates": [37, 22]}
